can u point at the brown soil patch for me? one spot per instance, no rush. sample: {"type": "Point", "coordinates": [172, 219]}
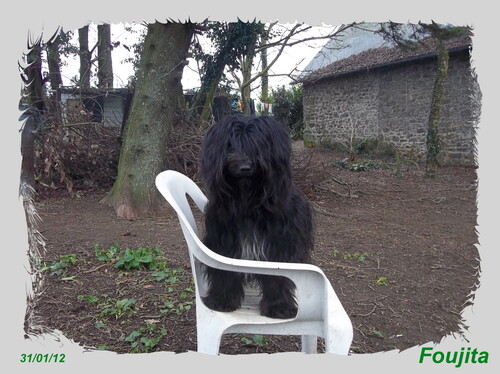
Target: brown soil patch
{"type": "Point", "coordinates": [400, 253]}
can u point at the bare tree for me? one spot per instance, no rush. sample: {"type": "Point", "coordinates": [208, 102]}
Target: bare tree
{"type": "Point", "coordinates": [239, 43]}
{"type": "Point", "coordinates": [281, 39]}
{"type": "Point", "coordinates": [264, 96]}
{"type": "Point", "coordinates": [85, 57]}
{"type": "Point", "coordinates": [54, 59]}
{"type": "Point", "coordinates": [105, 64]}
{"type": "Point", "coordinates": [350, 134]}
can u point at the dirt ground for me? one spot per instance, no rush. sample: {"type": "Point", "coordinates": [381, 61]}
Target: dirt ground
{"type": "Point", "coordinates": [399, 251]}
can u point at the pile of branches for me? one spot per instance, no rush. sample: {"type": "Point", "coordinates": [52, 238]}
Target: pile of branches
{"type": "Point", "coordinates": [84, 155]}
{"type": "Point", "coordinates": [307, 173]}
{"type": "Point", "coordinates": [184, 148]}
{"type": "Point", "coordinates": [81, 156]}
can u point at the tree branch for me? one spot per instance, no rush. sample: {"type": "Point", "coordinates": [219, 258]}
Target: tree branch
{"type": "Point", "coordinates": [251, 80]}
{"type": "Point", "coordinates": [285, 42]}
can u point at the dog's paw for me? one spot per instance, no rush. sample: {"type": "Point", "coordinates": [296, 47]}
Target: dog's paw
{"type": "Point", "coordinates": [280, 311]}
{"type": "Point", "coordinates": [220, 305]}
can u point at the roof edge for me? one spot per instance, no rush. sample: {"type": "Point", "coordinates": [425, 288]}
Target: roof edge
{"type": "Point", "coordinates": [312, 79]}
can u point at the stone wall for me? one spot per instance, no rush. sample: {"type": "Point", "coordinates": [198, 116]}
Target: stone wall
{"type": "Point", "coordinates": [392, 105]}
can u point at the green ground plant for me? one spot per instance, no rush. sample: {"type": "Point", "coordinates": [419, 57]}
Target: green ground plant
{"type": "Point", "coordinates": [256, 339]}
{"type": "Point", "coordinates": [359, 165]}
{"type": "Point", "coordinates": [168, 275]}
{"type": "Point", "coordinates": [179, 307]}
{"type": "Point", "coordinates": [378, 334]}
{"type": "Point", "coordinates": [145, 339]}
{"type": "Point", "coordinates": [175, 301]}
{"type": "Point", "coordinates": [367, 165]}
{"type": "Point", "coordinates": [382, 281]}
{"type": "Point", "coordinates": [130, 259]}
{"type": "Point", "coordinates": [106, 254]}
{"type": "Point", "coordinates": [361, 257]}
{"type": "Point", "coordinates": [110, 307]}
{"type": "Point", "coordinates": [148, 258]}
{"type": "Point", "coordinates": [61, 266]}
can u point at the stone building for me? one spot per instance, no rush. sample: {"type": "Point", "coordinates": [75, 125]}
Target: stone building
{"type": "Point", "coordinates": [380, 94]}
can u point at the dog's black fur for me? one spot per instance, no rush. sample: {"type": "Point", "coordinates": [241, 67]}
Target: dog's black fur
{"type": "Point", "coordinates": [254, 211]}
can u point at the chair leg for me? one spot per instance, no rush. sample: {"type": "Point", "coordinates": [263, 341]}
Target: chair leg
{"type": "Point", "coordinates": [208, 340]}
{"type": "Point", "coordinates": [208, 347]}
{"type": "Point", "coordinates": [340, 344]}
{"type": "Point", "coordinates": [309, 343]}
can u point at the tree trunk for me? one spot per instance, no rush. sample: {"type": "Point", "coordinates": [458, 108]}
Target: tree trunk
{"type": "Point", "coordinates": [55, 78]}
{"type": "Point", "coordinates": [83, 39]}
{"type": "Point", "coordinates": [54, 61]}
{"type": "Point", "coordinates": [205, 97]}
{"type": "Point", "coordinates": [433, 139]}
{"type": "Point", "coordinates": [157, 96]}
{"type": "Point", "coordinates": [28, 152]}
{"type": "Point", "coordinates": [213, 74]}
{"type": "Point", "coordinates": [246, 90]}
{"type": "Point", "coordinates": [264, 97]}
{"type": "Point", "coordinates": [33, 76]}
{"type": "Point", "coordinates": [104, 61]}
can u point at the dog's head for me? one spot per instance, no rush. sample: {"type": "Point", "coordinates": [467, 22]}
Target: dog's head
{"type": "Point", "coordinates": [246, 152]}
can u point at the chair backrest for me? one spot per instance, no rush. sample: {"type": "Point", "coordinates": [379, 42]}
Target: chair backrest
{"type": "Point", "coordinates": [175, 187]}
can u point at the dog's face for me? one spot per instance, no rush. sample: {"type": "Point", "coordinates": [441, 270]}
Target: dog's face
{"type": "Point", "coordinates": [246, 157]}
{"type": "Point", "coordinates": [246, 151]}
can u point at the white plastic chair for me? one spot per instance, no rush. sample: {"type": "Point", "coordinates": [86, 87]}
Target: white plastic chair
{"type": "Point", "coordinates": [320, 312]}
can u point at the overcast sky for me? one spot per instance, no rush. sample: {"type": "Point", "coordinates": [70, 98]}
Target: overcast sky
{"type": "Point", "coordinates": [300, 54]}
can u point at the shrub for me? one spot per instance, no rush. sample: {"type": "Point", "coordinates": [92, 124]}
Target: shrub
{"type": "Point", "coordinates": [289, 110]}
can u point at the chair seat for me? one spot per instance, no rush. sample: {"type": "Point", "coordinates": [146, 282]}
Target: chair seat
{"type": "Point", "coordinates": [249, 311]}
{"type": "Point", "coordinates": [248, 314]}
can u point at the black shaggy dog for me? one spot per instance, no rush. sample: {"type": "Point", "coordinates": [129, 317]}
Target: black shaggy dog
{"type": "Point", "coordinates": [254, 212]}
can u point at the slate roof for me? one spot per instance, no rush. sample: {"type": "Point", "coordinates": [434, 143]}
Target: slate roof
{"type": "Point", "coordinates": [383, 56]}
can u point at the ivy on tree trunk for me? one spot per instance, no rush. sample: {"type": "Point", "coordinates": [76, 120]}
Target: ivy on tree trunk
{"type": "Point", "coordinates": [433, 139]}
